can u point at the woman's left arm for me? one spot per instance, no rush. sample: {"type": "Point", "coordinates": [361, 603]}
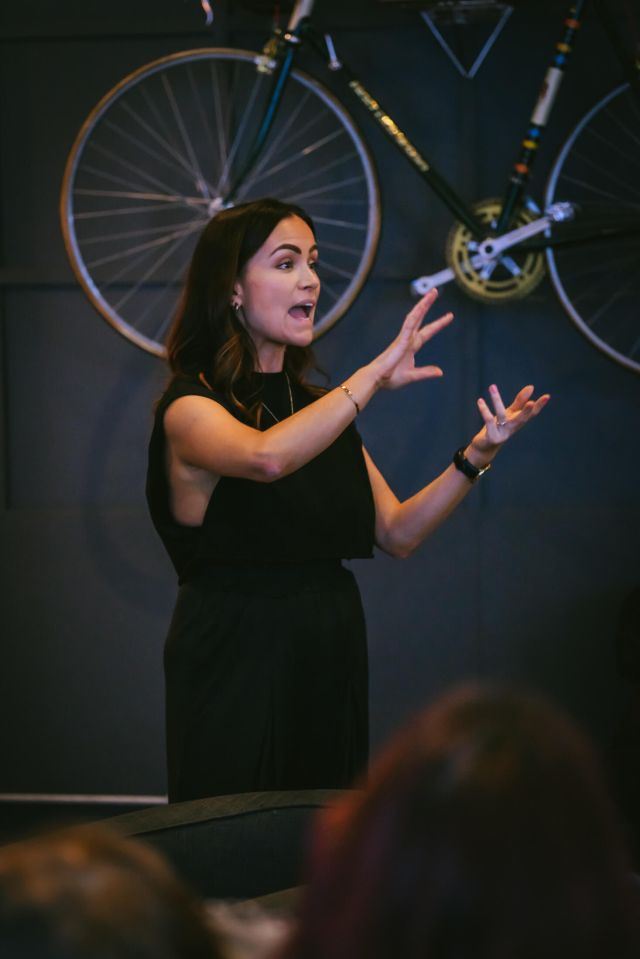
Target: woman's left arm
{"type": "Point", "coordinates": [402, 526]}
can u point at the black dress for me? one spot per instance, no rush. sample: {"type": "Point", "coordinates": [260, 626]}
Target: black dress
{"type": "Point", "coordinates": [266, 660]}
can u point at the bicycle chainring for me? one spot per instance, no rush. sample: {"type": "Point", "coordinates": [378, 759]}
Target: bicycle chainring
{"type": "Point", "coordinates": [510, 277]}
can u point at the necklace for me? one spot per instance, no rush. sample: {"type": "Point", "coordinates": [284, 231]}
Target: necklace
{"type": "Point", "coordinates": [270, 412]}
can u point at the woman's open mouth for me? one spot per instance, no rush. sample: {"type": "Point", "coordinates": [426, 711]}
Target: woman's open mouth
{"type": "Point", "coordinates": [302, 311]}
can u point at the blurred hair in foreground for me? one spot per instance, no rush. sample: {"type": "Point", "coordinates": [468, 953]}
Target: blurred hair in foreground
{"type": "Point", "coordinates": [87, 893]}
{"type": "Point", "coordinates": [484, 832]}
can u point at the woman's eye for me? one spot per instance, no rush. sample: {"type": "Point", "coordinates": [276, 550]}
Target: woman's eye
{"type": "Point", "coordinates": [313, 265]}
{"type": "Point", "coordinates": [285, 264]}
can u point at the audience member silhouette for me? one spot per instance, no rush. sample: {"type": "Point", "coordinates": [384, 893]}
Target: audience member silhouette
{"type": "Point", "coordinates": [89, 894]}
{"type": "Point", "coordinates": [484, 832]}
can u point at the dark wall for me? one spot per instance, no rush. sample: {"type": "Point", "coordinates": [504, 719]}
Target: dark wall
{"type": "Point", "coordinates": [524, 582]}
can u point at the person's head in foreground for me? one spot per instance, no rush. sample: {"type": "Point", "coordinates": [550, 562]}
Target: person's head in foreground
{"type": "Point", "coordinates": [484, 832]}
{"type": "Point", "coordinates": [89, 894]}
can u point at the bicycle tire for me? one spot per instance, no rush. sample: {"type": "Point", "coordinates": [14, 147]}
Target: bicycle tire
{"type": "Point", "coordinates": [154, 157]}
{"type": "Point", "coordinates": [598, 280]}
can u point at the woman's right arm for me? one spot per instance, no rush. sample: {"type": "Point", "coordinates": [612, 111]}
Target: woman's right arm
{"type": "Point", "coordinates": [202, 434]}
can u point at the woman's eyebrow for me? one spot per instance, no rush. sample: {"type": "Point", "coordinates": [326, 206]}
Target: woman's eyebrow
{"type": "Point", "coordinates": [294, 249]}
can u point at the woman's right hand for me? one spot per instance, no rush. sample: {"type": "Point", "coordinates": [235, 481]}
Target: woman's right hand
{"type": "Point", "coordinates": [396, 366]}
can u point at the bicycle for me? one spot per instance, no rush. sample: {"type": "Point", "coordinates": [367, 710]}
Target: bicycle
{"type": "Point", "coordinates": [264, 127]}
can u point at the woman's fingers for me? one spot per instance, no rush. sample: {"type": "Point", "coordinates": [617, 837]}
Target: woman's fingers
{"type": "Point", "coordinates": [540, 403]}
{"type": "Point", "coordinates": [426, 372]}
{"type": "Point", "coordinates": [423, 304]}
{"type": "Point", "coordinates": [501, 423]}
{"type": "Point", "coordinates": [498, 405]}
{"type": "Point", "coordinates": [485, 412]}
{"type": "Point", "coordinates": [525, 408]}
{"type": "Point", "coordinates": [430, 329]}
{"type": "Point", "coordinates": [522, 397]}
{"type": "Point", "coordinates": [414, 317]}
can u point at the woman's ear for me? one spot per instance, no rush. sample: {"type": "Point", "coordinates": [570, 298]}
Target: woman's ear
{"type": "Point", "coordinates": [236, 299]}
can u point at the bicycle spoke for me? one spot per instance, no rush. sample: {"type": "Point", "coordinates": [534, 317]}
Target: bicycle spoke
{"type": "Point", "coordinates": [608, 173]}
{"type": "Point", "coordinates": [593, 189]}
{"type": "Point", "coordinates": [624, 128]}
{"type": "Point", "coordinates": [326, 289]}
{"type": "Point", "coordinates": [205, 126]}
{"type": "Point", "coordinates": [335, 269]}
{"type": "Point", "coordinates": [145, 176]}
{"type": "Point", "coordinates": [186, 139]}
{"type": "Point", "coordinates": [118, 211]}
{"type": "Point", "coordinates": [143, 231]}
{"type": "Point", "coordinates": [340, 248]}
{"type": "Point", "coordinates": [279, 167]}
{"type": "Point", "coordinates": [130, 138]}
{"type": "Point", "coordinates": [152, 269]}
{"type": "Point", "coordinates": [616, 295]}
{"type": "Point", "coordinates": [168, 199]}
{"type": "Point", "coordinates": [344, 202]}
{"type": "Point", "coordinates": [159, 116]}
{"type": "Point", "coordinates": [329, 188]}
{"type": "Point", "coordinates": [223, 182]}
{"type": "Point", "coordinates": [630, 154]}
{"type": "Point", "coordinates": [152, 244]}
{"type": "Point", "coordinates": [175, 155]}
{"type": "Point", "coordinates": [277, 139]}
{"type": "Point", "coordinates": [588, 278]}
{"type": "Point", "coordinates": [221, 125]}
{"type": "Point", "coordinates": [327, 221]}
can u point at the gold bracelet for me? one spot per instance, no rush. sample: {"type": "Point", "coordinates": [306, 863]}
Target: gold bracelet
{"type": "Point", "coordinates": [345, 389]}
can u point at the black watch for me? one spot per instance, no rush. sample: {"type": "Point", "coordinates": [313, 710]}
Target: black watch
{"type": "Point", "coordinates": [461, 463]}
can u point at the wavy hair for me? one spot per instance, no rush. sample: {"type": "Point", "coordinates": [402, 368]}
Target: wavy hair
{"type": "Point", "coordinates": [484, 832]}
{"type": "Point", "coordinates": [207, 339]}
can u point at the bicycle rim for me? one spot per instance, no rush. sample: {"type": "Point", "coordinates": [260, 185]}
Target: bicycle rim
{"type": "Point", "coordinates": [598, 279]}
{"type": "Point", "coordinates": [154, 158]}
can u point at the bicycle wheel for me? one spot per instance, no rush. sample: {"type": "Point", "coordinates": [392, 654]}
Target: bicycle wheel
{"type": "Point", "coordinates": [598, 279]}
{"type": "Point", "coordinates": [153, 160]}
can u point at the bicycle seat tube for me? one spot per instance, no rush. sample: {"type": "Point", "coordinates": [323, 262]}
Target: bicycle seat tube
{"type": "Point", "coordinates": [521, 169]}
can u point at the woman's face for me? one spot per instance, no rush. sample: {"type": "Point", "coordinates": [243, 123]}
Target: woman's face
{"type": "Point", "coordinates": [278, 290]}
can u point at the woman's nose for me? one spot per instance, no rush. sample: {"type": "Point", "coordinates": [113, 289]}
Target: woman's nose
{"type": "Point", "coordinates": [309, 280]}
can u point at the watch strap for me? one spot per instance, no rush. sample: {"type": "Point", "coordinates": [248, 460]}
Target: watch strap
{"type": "Point", "coordinates": [465, 466]}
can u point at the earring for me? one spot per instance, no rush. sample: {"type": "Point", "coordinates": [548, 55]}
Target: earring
{"type": "Point", "coordinates": [235, 306]}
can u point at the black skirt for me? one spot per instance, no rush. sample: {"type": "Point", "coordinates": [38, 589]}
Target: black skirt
{"type": "Point", "coordinates": [266, 681]}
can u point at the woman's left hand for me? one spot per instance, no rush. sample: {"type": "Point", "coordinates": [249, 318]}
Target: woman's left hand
{"type": "Point", "coordinates": [501, 423]}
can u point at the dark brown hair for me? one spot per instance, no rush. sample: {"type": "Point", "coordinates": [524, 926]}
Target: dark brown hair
{"type": "Point", "coordinates": [87, 893]}
{"type": "Point", "coordinates": [485, 832]}
{"type": "Point", "coordinates": [207, 337]}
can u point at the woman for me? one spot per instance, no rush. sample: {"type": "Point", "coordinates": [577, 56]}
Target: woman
{"type": "Point", "coordinates": [484, 832]}
{"type": "Point", "coordinates": [259, 486]}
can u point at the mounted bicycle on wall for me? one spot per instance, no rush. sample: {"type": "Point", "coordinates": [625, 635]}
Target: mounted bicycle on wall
{"type": "Point", "coordinates": [195, 132]}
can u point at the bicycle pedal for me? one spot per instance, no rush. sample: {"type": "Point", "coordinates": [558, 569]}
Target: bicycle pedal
{"type": "Point", "coordinates": [561, 212]}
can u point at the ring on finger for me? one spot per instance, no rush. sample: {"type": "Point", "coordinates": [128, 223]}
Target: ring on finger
{"type": "Point", "coordinates": [500, 423]}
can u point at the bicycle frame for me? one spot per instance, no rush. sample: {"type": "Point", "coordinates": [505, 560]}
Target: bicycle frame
{"type": "Point", "coordinates": [278, 58]}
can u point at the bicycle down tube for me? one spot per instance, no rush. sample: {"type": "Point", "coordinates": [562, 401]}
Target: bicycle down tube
{"type": "Point", "coordinates": [278, 56]}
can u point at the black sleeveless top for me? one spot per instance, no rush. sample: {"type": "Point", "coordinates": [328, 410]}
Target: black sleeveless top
{"type": "Point", "coordinates": [322, 511]}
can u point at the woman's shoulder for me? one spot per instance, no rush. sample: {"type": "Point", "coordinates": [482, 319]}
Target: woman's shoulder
{"type": "Point", "coordinates": [182, 385]}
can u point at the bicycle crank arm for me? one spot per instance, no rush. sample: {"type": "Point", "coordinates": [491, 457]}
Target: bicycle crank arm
{"type": "Point", "coordinates": [423, 284]}
{"type": "Point", "coordinates": [492, 248]}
